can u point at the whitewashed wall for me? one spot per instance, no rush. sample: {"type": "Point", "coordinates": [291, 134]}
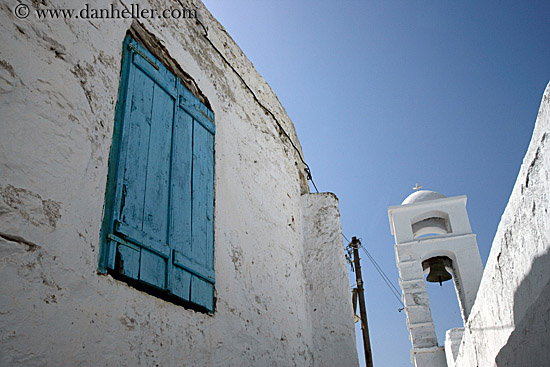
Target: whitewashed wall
{"type": "Point", "coordinates": [59, 82]}
{"type": "Point", "coordinates": [328, 288]}
{"type": "Point", "coordinates": [510, 322]}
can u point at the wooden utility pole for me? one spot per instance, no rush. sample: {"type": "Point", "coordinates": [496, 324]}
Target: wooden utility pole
{"type": "Point", "coordinates": [362, 307]}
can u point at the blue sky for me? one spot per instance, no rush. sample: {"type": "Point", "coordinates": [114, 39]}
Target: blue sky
{"type": "Point", "coordinates": [385, 94]}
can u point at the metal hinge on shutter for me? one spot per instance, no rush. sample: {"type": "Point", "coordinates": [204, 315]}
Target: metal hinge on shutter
{"type": "Point", "coordinates": [205, 115]}
{"type": "Point", "coordinates": [140, 53]}
{"type": "Point", "coordinates": [122, 242]}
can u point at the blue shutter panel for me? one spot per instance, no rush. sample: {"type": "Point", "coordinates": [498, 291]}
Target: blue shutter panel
{"type": "Point", "coordinates": [155, 205]}
{"type": "Point", "coordinates": [180, 234]}
{"type": "Point", "coordinates": [144, 171]}
{"type": "Point", "coordinates": [193, 210]}
{"type": "Point", "coordinates": [127, 260]}
{"type": "Point", "coordinates": [132, 172]}
{"type": "Point", "coordinates": [135, 147]}
{"type": "Point", "coordinates": [202, 209]}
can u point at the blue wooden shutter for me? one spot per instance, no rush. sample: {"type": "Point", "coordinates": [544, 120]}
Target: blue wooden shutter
{"type": "Point", "coordinates": [193, 210]}
{"type": "Point", "coordinates": [141, 213]}
{"type": "Point", "coordinates": [160, 227]}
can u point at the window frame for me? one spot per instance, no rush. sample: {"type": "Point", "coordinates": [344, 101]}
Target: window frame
{"type": "Point", "coordinates": [186, 106]}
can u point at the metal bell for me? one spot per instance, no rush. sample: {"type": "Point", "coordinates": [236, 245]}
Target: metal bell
{"type": "Point", "coordinates": [438, 273]}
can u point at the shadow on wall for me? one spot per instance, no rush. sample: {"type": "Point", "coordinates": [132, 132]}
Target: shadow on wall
{"type": "Point", "coordinates": [529, 343]}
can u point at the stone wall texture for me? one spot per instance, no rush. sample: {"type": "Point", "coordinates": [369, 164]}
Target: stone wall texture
{"type": "Point", "coordinates": [327, 288]}
{"type": "Point", "coordinates": [59, 81]}
{"type": "Point", "coordinates": [510, 324]}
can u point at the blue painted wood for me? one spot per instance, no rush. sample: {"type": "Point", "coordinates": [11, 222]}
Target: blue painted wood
{"type": "Point", "coordinates": [189, 100]}
{"type": "Point", "coordinates": [202, 293]}
{"type": "Point", "coordinates": [120, 240]}
{"type": "Point", "coordinates": [194, 267]}
{"type": "Point", "coordinates": [136, 146]}
{"type": "Point", "coordinates": [202, 184]}
{"type": "Point", "coordinates": [192, 194]}
{"type": "Point", "coordinates": [162, 77]}
{"type": "Point", "coordinates": [128, 261]}
{"type": "Point", "coordinates": [152, 269]}
{"type": "Point", "coordinates": [155, 204]}
{"type": "Point", "coordinates": [181, 283]}
{"type": "Point", "coordinates": [116, 158]}
{"type": "Point", "coordinates": [142, 239]}
{"type": "Point", "coordinates": [180, 203]}
{"type": "Point", "coordinates": [139, 123]}
{"type": "Point", "coordinates": [202, 230]}
{"type": "Point", "coordinates": [196, 109]}
{"type": "Point", "coordinates": [109, 255]}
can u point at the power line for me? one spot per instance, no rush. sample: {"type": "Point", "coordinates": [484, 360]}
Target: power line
{"type": "Point", "coordinates": [371, 258]}
{"type": "Point", "coordinates": [346, 238]}
{"type": "Point", "coordinates": [386, 279]}
{"type": "Point", "coordinates": [393, 289]}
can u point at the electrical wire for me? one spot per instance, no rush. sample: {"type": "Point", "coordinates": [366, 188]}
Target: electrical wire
{"type": "Point", "coordinates": [346, 238]}
{"type": "Point", "coordinates": [371, 258]}
{"type": "Point", "coordinates": [396, 293]}
{"type": "Point", "coordinates": [266, 110]}
{"type": "Point", "coordinates": [387, 280]}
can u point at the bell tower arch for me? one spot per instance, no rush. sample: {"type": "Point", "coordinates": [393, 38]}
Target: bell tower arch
{"type": "Point", "coordinates": [433, 235]}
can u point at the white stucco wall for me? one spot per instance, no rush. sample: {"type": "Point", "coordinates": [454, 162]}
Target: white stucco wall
{"type": "Point", "coordinates": [328, 288]}
{"type": "Point", "coordinates": [453, 338]}
{"type": "Point", "coordinates": [59, 81]}
{"type": "Point", "coordinates": [510, 324]}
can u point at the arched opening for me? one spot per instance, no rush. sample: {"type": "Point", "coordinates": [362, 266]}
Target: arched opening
{"type": "Point", "coordinates": [444, 305]}
{"type": "Point", "coordinates": [430, 224]}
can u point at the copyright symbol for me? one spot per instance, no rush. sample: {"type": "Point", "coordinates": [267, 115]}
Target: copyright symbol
{"type": "Point", "coordinates": [21, 11]}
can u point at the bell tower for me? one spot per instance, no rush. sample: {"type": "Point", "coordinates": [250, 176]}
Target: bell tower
{"type": "Point", "coordinates": [433, 236]}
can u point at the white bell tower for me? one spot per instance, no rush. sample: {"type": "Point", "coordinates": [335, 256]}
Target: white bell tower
{"type": "Point", "coordinates": [433, 234]}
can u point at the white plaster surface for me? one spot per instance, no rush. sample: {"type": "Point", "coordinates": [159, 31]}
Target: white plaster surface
{"type": "Point", "coordinates": [510, 324]}
{"type": "Point", "coordinates": [328, 287]}
{"type": "Point", "coordinates": [453, 338]}
{"type": "Point", "coordinates": [459, 245]}
{"type": "Point", "coordinates": [422, 195]}
{"type": "Point", "coordinates": [403, 216]}
{"type": "Point", "coordinates": [429, 357]}
{"type": "Point", "coordinates": [59, 82]}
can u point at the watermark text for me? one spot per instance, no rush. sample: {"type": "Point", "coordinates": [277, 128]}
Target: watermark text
{"type": "Point", "coordinates": [134, 11]}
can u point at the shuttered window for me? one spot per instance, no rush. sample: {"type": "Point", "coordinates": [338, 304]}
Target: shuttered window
{"type": "Point", "coordinates": [158, 224]}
